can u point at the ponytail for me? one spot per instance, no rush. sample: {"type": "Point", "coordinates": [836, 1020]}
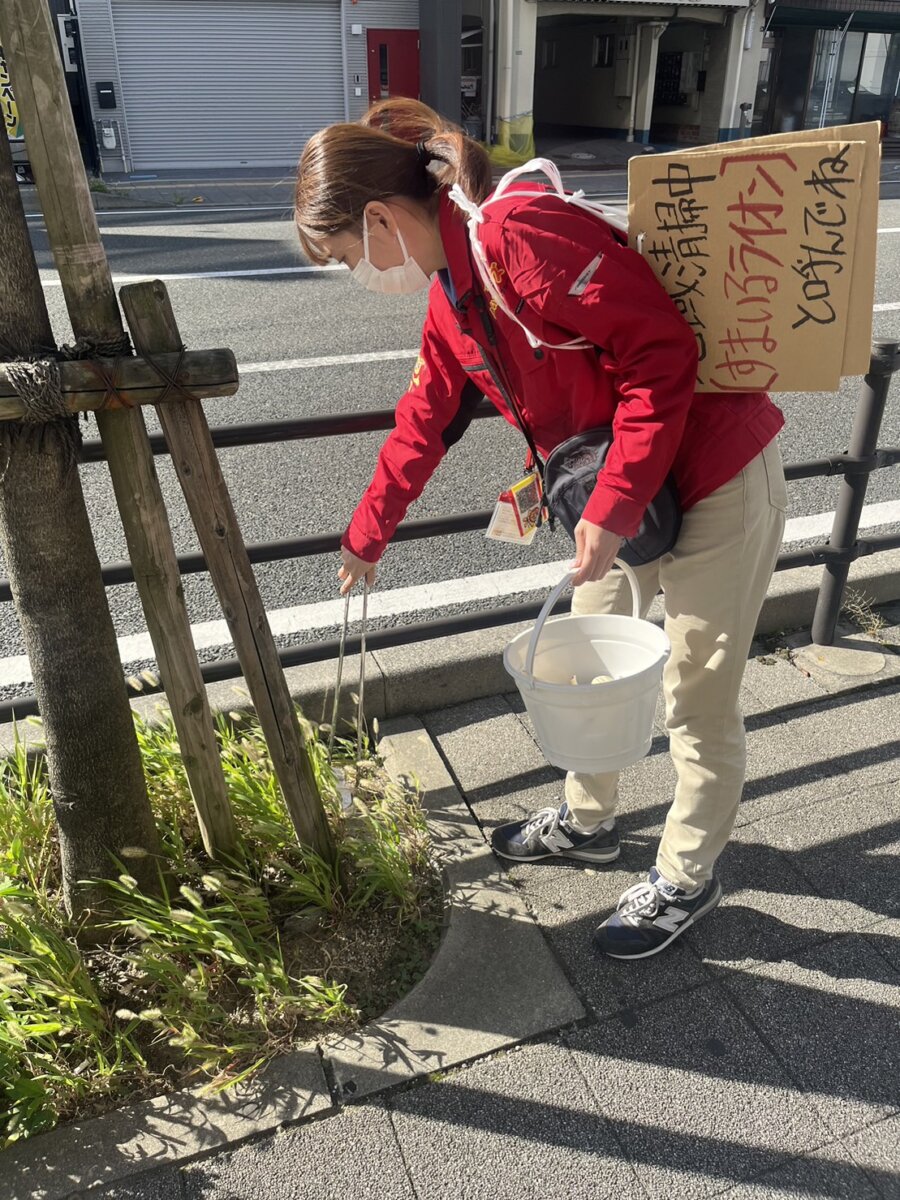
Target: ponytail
{"type": "Point", "coordinates": [399, 148]}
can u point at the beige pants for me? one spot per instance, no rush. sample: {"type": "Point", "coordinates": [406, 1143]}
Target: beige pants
{"type": "Point", "coordinates": [714, 583]}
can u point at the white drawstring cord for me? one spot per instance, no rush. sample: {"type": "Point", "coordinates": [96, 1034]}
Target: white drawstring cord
{"type": "Point", "coordinates": [616, 217]}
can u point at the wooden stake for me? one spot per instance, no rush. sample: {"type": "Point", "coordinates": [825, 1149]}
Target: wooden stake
{"type": "Point", "coordinates": [32, 55]}
{"type": "Point", "coordinates": [205, 373]}
{"type": "Point", "coordinates": [155, 331]}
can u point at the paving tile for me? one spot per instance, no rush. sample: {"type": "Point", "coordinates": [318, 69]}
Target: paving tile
{"type": "Point", "coordinates": [884, 936]}
{"type": "Point", "coordinates": [889, 633]}
{"type": "Point", "coordinates": [772, 681]}
{"type": "Point", "coordinates": [490, 756]}
{"type": "Point", "coordinates": [152, 1185]}
{"type": "Point", "coordinates": [348, 1156]}
{"type": "Point", "coordinates": [877, 1150]}
{"type": "Point", "coordinates": [569, 901]}
{"type": "Point", "coordinates": [494, 982]}
{"type": "Point", "coordinates": [830, 1173]}
{"type": "Point", "coordinates": [98, 1151]}
{"type": "Point", "coordinates": [846, 848]}
{"type": "Point", "coordinates": [769, 910]}
{"type": "Point", "coordinates": [832, 1020]}
{"type": "Point", "coordinates": [786, 768]}
{"type": "Point", "coordinates": [697, 1101]}
{"type": "Point", "coordinates": [500, 770]}
{"type": "Point", "coordinates": [523, 1126]}
{"type": "Point", "coordinates": [855, 739]}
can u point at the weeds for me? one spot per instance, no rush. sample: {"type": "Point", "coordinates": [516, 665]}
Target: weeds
{"type": "Point", "coordinates": [858, 608]}
{"type": "Point", "coordinates": [205, 984]}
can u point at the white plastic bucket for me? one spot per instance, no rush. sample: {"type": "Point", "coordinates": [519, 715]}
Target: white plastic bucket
{"type": "Point", "coordinates": [585, 726]}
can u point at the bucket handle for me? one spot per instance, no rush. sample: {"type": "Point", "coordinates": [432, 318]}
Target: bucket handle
{"type": "Point", "coordinates": [558, 591]}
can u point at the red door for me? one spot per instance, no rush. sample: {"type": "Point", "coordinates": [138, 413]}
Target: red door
{"type": "Point", "coordinates": [393, 63]}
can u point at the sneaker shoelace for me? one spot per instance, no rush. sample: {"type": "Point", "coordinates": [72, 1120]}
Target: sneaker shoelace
{"type": "Point", "coordinates": [640, 900]}
{"type": "Point", "coordinates": [543, 822]}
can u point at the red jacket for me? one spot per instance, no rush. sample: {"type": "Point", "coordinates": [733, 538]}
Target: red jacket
{"type": "Point", "coordinates": [639, 373]}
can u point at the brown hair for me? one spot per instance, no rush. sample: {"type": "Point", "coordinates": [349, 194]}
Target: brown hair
{"type": "Point", "coordinates": [386, 154]}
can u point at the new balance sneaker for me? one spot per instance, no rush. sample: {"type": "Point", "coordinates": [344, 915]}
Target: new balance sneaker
{"type": "Point", "coordinates": [650, 915]}
{"type": "Point", "coordinates": [550, 834]}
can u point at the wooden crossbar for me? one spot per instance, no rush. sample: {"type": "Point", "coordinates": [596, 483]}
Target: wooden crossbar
{"type": "Point", "coordinates": [204, 373]}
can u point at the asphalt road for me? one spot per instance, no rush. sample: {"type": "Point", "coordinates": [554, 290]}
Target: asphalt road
{"type": "Point", "coordinates": [287, 490]}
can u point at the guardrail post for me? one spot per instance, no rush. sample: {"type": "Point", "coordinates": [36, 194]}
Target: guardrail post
{"type": "Point", "coordinates": [851, 497]}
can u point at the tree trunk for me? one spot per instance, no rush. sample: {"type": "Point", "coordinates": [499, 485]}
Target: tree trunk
{"type": "Point", "coordinates": [96, 776]}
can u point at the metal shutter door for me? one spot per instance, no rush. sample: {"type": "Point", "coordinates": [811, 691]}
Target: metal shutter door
{"type": "Point", "coordinates": [227, 83]}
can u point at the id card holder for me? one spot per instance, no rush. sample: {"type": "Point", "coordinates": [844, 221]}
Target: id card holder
{"type": "Point", "coordinates": [517, 512]}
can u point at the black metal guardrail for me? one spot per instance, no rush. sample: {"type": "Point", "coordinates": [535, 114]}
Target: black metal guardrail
{"type": "Point", "coordinates": [843, 547]}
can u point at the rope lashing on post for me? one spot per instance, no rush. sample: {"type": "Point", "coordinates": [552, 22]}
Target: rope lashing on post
{"type": "Point", "coordinates": [90, 351]}
{"type": "Point", "coordinates": [115, 347]}
{"type": "Point", "coordinates": [39, 387]}
{"type": "Point", "coordinates": [93, 352]}
{"type": "Point", "coordinates": [38, 384]}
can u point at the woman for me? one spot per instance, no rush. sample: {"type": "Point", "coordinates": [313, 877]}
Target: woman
{"type": "Point", "coordinates": [374, 196]}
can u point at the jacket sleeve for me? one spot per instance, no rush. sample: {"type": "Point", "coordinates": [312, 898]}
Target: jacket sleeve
{"type": "Point", "coordinates": [430, 417]}
{"type": "Point", "coordinates": [569, 268]}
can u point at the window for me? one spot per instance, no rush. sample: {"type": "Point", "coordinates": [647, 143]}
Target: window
{"type": "Point", "coordinates": [603, 50]}
{"type": "Point", "coordinates": [668, 80]}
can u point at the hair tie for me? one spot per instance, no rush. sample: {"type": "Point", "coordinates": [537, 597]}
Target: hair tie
{"type": "Point", "coordinates": [425, 155]}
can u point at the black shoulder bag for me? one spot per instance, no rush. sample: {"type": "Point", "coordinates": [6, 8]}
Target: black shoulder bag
{"type": "Point", "coordinates": [569, 475]}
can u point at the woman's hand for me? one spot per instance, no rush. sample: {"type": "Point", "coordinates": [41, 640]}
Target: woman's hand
{"type": "Point", "coordinates": [595, 550]}
{"type": "Point", "coordinates": [353, 569]}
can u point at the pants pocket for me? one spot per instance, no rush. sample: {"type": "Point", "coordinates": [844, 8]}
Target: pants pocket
{"type": "Point", "coordinates": [771, 458]}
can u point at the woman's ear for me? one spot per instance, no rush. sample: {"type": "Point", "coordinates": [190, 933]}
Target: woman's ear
{"type": "Point", "coordinates": [380, 219]}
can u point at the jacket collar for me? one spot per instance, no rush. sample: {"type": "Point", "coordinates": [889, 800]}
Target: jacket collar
{"type": "Point", "coordinates": [455, 239]}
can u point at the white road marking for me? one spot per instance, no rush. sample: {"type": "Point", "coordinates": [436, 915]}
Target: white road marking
{"type": "Point", "coordinates": [497, 585]}
{"type": "Point", "coordinates": [892, 307]}
{"type": "Point", "coordinates": [51, 279]}
{"type": "Point", "coordinates": [328, 360]}
{"type": "Point", "coordinates": [798, 529]}
{"type": "Point", "coordinates": [196, 210]}
{"type": "Point", "coordinates": [274, 236]}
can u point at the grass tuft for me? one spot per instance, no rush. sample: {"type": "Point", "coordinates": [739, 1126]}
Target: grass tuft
{"type": "Point", "coordinates": [234, 964]}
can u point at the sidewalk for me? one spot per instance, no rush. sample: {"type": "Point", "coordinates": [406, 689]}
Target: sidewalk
{"type": "Point", "coordinates": [758, 1057]}
{"type": "Point", "coordinates": [253, 188]}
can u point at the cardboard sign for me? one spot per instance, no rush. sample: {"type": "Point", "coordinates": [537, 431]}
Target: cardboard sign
{"type": "Point", "coordinates": [768, 249]}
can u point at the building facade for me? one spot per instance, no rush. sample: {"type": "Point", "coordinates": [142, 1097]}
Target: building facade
{"type": "Point", "coordinates": [827, 62]}
{"type": "Point", "coordinates": [188, 85]}
{"type": "Point", "coordinates": [647, 72]}
{"type": "Point", "coordinates": [207, 84]}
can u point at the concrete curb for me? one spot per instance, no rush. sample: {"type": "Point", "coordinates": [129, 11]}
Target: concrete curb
{"type": "Point", "coordinates": [493, 982]}
{"type": "Point", "coordinates": [166, 1130]}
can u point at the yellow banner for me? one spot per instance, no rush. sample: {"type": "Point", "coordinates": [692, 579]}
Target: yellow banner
{"type": "Point", "coordinates": [8, 107]}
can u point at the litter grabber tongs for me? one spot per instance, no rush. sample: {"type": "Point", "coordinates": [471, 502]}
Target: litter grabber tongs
{"type": "Point", "coordinates": [339, 774]}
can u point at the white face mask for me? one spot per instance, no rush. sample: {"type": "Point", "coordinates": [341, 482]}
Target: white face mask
{"type": "Point", "coordinates": [393, 281]}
